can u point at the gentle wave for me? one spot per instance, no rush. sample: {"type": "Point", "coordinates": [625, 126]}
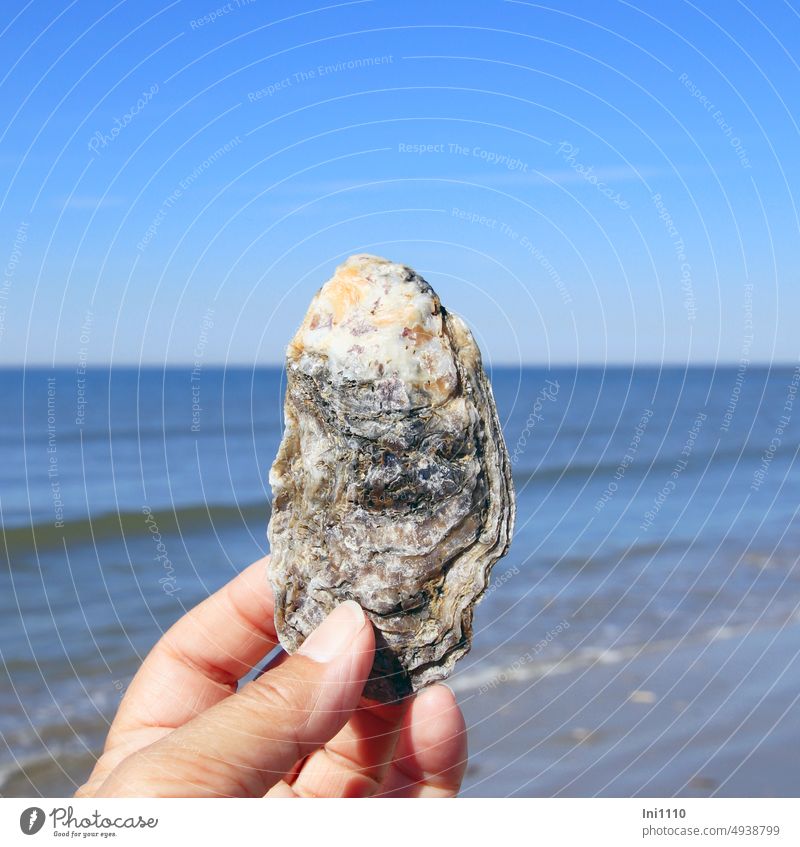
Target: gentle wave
{"type": "Point", "coordinates": [119, 434]}
{"type": "Point", "coordinates": [700, 459]}
{"type": "Point", "coordinates": [496, 675]}
{"type": "Point", "coordinates": [137, 523]}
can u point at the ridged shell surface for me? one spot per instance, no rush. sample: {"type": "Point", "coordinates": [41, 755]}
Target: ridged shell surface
{"type": "Point", "coordinates": [392, 485]}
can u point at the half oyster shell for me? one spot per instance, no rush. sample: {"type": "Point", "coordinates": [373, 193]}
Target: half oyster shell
{"type": "Point", "coordinates": [392, 484]}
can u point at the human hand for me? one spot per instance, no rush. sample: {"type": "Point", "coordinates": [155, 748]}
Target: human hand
{"type": "Point", "coordinates": [300, 729]}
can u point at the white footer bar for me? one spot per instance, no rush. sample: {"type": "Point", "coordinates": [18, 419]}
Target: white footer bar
{"type": "Point", "coordinates": [397, 823]}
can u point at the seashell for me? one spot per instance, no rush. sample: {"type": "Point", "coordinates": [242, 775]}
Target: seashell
{"type": "Point", "coordinates": [392, 484]}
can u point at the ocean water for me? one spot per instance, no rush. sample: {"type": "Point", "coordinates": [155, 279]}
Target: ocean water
{"type": "Point", "coordinates": [655, 506]}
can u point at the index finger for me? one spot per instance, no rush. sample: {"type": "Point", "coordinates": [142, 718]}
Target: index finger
{"type": "Point", "coordinates": [200, 659]}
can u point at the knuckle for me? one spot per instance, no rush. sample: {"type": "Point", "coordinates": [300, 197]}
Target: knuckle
{"type": "Point", "coordinates": [283, 701]}
{"type": "Point", "coordinates": [278, 692]}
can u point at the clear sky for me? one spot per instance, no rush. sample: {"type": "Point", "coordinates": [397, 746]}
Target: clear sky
{"type": "Point", "coordinates": [583, 181]}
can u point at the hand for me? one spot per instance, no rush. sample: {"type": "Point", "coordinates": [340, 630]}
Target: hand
{"type": "Point", "coordinates": [300, 729]}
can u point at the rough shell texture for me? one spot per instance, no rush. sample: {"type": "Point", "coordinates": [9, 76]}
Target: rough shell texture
{"type": "Point", "coordinates": [392, 485]}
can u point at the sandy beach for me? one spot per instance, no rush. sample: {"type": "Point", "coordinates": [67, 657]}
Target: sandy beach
{"type": "Point", "coordinates": [696, 720]}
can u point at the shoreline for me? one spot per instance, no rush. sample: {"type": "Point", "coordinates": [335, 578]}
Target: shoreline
{"type": "Point", "coordinates": [720, 718]}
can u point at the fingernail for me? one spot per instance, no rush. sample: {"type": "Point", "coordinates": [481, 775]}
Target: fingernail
{"type": "Point", "coordinates": [335, 634]}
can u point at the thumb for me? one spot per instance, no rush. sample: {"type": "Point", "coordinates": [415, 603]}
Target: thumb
{"type": "Point", "coordinates": [243, 745]}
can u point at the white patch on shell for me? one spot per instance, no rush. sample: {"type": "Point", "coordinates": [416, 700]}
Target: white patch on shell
{"type": "Point", "coordinates": [371, 324]}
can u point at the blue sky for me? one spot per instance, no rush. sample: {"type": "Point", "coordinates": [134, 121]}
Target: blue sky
{"type": "Point", "coordinates": [584, 182]}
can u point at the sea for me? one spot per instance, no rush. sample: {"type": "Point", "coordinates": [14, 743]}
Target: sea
{"type": "Point", "coordinates": [655, 506]}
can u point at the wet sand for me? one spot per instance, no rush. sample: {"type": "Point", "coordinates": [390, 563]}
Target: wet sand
{"type": "Point", "coordinates": [720, 718]}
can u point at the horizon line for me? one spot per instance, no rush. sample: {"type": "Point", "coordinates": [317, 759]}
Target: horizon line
{"type": "Point", "coordinates": [240, 365]}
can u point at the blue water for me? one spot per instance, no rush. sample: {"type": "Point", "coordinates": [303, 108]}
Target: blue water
{"type": "Point", "coordinates": [653, 505]}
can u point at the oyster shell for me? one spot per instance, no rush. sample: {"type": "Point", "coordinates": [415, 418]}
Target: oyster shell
{"type": "Point", "coordinates": [392, 485]}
